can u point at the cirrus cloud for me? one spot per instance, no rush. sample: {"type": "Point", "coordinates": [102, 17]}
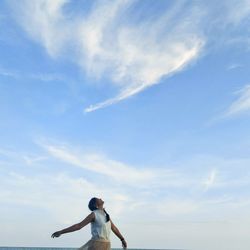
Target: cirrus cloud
{"type": "Point", "coordinates": [242, 104]}
{"type": "Point", "coordinates": [116, 42]}
{"type": "Point", "coordinates": [132, 55]}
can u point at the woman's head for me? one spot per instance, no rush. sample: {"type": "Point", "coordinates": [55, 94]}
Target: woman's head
{"type": "Point", "coordinates": [92, 204]}
{"type": "Point", "coordinates": [95, 203]}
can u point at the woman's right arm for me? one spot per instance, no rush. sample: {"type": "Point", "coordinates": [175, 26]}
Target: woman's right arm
{"type": "Point", "coordinates": [118, 234]}
{"type": "Point", "coordinates": [75, 227]}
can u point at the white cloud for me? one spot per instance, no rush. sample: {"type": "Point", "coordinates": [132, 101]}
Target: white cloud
{"type": "Point", "coordinates": [43, 20]}
{"type": "Point", "coordinates": [200, 171]}
{"type": "Point", "coordinates": [242, 104]}
{"type": "Point", "coordinates": [237, 10]}
{"type": "Point", "coordinates": [64, 199]}
{"type": "Point", "coordinates": [12, 156]}
{"type": "Point", "coordinates": [145, 70]}
{"type": "Point", "coordinates": [47, 77]}
{"type": "Point", "coordinates": [134, 56]}
{"type": "Point", "coordinates": [8, 73]}
{"type": "Point", "coordinates": [100, 164]}
{"type": "Point", "coordinates": [53, 192]}
{"type": "Point", "coordinates": [211, 180]}
{"type": "Point", "coordinates": [148, 180]}
{"type": "Point", "coordinates": [234, 66]}
{"type": "Point", "coordinates": [41, 76]}
{"type": "Point", "coordinates": [30, 160]}
{"type": "Point", "coordinates": [138, 57]}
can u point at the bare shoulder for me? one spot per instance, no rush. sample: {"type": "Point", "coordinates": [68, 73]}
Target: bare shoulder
{"type": "Point", "coordinates": [90, 218]}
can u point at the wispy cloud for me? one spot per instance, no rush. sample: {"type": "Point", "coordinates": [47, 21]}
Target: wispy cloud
{"type": "Point", "coordinates": [155, 179]}
{"type": "Point", "coordinates": [51, 191]}
{"type": "Point", "coordinates": [46, 77]}
{"type": "Point", "coordinates": [40, 19]}
{"type": "Point", "coordinates": [147, 70]}
{"type": "Point", "coordinates": [150, 179]}
{"type": "Point", "coordinates": [195, 174]}
{"type": "Point", "coordinates": [138, 57]}
{"type": "Point", "coordinates": [134, 55]}
{"type": "Point", "coordinates": [234, 66]}
{"type": "Point", "coordinates": [210, 181]}
{"type": "Point", "coordinates": [30, 160]}
{"type": "Point", "coordinates": [15, 189]}
{"type": "Point", "coordinates": [237, 10]}
{"type": "Point", "coordinates": [108, 43]}
{"type": "Point", "coordinates": [240, 105]}
{"type": "Point", "coordinates": [11, 157]}
{"type": "Point", "coordinates": [101, 165]}
{"type": "Point", "coordinates": [40, 76]}
{"type": "Point", "coordinates": [8, 73]}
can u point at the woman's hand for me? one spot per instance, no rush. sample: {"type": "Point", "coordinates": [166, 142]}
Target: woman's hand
{"type": "Point", "coordinates": [56, 234]}
{"type": "Point", "coordinates": [124, 244]}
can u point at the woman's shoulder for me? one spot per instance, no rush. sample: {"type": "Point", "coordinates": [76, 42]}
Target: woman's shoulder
{"type": "Point", "coordinates": [92, 216]}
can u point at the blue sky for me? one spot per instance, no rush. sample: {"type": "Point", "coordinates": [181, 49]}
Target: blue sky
{"type": "Point", "coordinates": [143, 103]}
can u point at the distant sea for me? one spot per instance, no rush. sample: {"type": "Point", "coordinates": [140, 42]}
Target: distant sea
{"type": "Point", "coordinates": [60, 248]}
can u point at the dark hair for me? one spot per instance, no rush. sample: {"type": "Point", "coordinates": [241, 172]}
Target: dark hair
{"type": "Point", "coordinates": [92, 206]}
{"type": "Point", "coordinates": [107, 216]}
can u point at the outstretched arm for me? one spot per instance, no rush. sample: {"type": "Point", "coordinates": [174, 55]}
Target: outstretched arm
{"type": "Point", "coordinates": [75, 227]}
{"type": "Point", "coordinates": [118, 234]}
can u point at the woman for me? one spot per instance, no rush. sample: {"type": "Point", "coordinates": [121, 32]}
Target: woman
{"type": "Point", "coordinates": [101, 225]}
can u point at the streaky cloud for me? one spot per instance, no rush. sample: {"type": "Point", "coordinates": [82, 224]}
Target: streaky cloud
{"type": "Point", "coordinates": [100, 164]}
{"type": "Point", "coordinates": [110, 41]}
{"type": "Point", "coordinates": [150, 75]}
{"type": "Point", "coordinates": [138, 57]}
{"type": "Point", "coordinates": [241, 105]}
{"type": "Point", "coordinates": [131, 176]}
{"type": "Point", "coordinates": [133, 55]}
{"type": "Point", "coordinates": [44, 22]}
{"type": "Point", "coordinates": [211, 180]}
{"type": "Point", "coordinates": [234, 66]}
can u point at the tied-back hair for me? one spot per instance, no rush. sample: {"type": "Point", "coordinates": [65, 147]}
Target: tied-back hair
{"type": "Point", "coordinates": [107, 215]}
{"type": "Point", "coordinates": [92, 206]}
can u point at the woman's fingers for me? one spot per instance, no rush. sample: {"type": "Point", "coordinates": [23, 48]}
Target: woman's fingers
{"type": "Point", "coordinates": [124, 244]}
{"type": "Point", "coordinates": [56, 234]}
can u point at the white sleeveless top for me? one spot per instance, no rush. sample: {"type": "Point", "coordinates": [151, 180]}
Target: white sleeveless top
{"type": "Point", "coordinates": [100, 229]}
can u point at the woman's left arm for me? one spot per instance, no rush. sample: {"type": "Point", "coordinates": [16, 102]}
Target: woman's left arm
{"type": "Point", "coordinates": [118, 234]}
{"type": "Point", "coordinates": [75, 227]}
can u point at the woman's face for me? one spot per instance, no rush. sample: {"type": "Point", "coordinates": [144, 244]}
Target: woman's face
{"type": "Point", "coordinates": [99, 202]}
